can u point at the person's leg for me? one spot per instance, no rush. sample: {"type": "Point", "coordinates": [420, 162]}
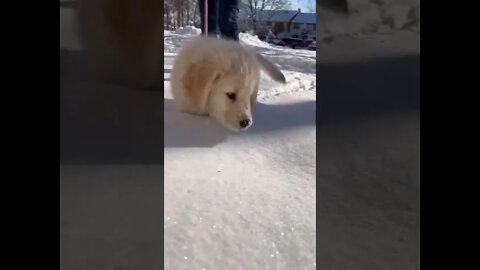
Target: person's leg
{"type": "Point", "coordinates": [212, 16]}
{"type": "Point", "coordinates": [228, 18]}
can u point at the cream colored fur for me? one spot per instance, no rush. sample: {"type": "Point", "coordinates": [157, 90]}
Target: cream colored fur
{"type": "Point", "coordinates": [208, 70]}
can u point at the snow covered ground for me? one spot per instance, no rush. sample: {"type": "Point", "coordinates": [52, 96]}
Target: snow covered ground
{"type": "Point", "coordinates": [247, 200]}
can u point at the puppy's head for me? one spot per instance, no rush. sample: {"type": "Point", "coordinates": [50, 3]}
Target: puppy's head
{"type": "Point", "coordinates": [226, 94]}
{"type": "Point", "coordinates": [223, 82]}
{"type": "Point", "coordinates": [231, 99]}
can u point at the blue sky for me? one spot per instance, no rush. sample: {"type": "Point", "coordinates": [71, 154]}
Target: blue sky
{"type": "Point", "coordinates": [303, 4]}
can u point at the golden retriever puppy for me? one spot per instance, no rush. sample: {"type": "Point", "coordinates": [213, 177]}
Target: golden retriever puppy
{"type": "Point", "coordinates": [123, 39]}
{"type": "Point", "coordinates": [219, 78]}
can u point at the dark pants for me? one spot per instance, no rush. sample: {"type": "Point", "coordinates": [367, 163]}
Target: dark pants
{"type": "Point", "coordinates": [225, 12]}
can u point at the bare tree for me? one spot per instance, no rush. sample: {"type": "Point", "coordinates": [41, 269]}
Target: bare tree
{"type": "Point", "coordinates": [180, 13]}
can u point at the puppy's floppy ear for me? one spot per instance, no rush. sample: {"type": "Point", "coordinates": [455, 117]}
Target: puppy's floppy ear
{"type": "Point", "coordinates": [271, 69]}
{"type": "Point", "coordinates": [197, 81]}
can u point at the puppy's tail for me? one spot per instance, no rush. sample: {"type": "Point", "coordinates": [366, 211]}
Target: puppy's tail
{"type": "Point", "coordinates": [271, 69]}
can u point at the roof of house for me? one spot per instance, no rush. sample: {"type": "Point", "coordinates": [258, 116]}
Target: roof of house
{"type": "Point", "coordinates": [308, 18]}
{"type": "Point", "coordinates": [265, 15]}
{"type": "Point", "coordinates": [282, 15]}
{"type": "Point", "coordinates": [271, 15]}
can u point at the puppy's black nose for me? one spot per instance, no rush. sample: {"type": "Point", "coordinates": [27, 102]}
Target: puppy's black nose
{"type": "Point", "coordinates": [244, 123]}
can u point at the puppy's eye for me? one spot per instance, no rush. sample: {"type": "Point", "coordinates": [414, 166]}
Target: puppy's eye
{"type": "Point", "coordinates": [232, 96]}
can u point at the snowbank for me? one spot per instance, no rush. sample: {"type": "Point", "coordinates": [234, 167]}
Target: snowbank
{"type": "Point", "coordinates": [245, 38]}
{"type": "Point", "coordinates": [251, 40]}
{"type": "Point", "coordinates": [188, 30]}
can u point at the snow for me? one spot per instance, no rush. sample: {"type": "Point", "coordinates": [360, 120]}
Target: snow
{"type": "Point", "coordinates": [188, 30]}
{"type": "Point", "coordinates": [252, 40]}
{"type": "Point", "coordinates": [246, 200]}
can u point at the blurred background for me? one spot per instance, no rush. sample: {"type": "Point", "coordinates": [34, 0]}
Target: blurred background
{"type": "Point", "coordinates": [368, 134]}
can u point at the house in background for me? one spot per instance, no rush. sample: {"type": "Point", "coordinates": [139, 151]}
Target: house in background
{"type": "Point", "coordinates": [304, 22]}
{"type": "Point", "coordinates": [262, 19]}
{"type": "Point", "coordinates": [279, 21]}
